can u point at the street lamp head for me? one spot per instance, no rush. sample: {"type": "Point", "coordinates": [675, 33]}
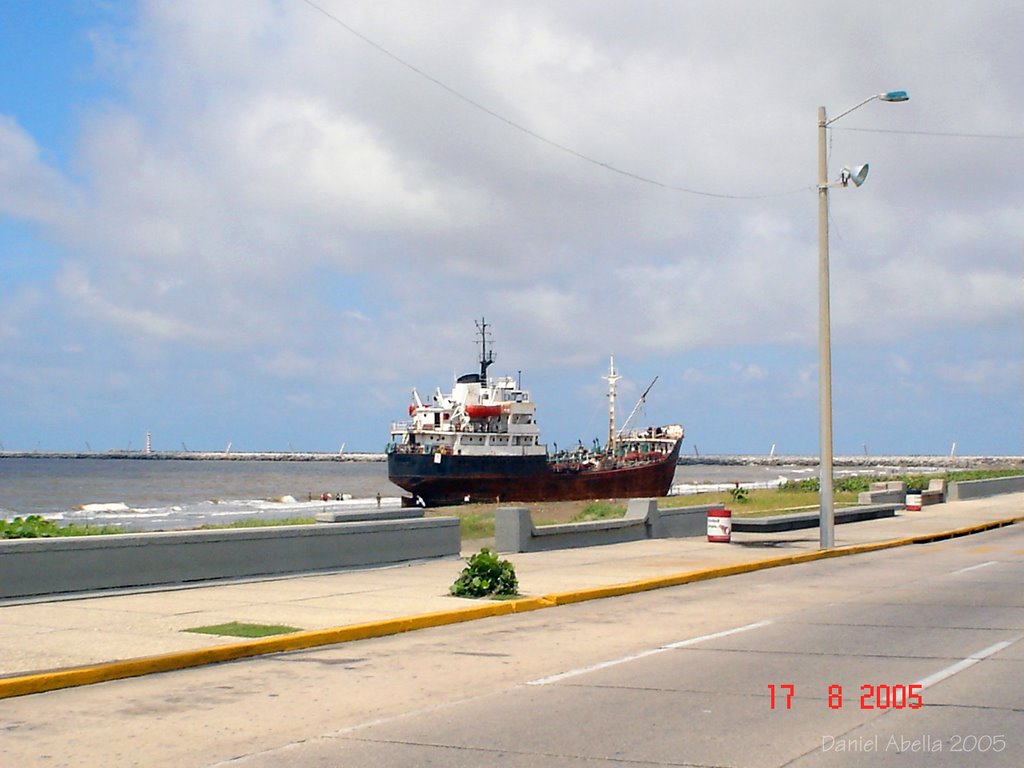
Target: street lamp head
{"type": "Point", "coordinates": [857, 175]}
{"type": "Point", "coordinates": [894, 96]}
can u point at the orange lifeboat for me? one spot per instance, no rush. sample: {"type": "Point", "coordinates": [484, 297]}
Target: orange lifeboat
{"type": "Point", "coordinates": [483, 411]}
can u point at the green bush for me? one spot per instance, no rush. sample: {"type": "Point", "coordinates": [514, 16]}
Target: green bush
{"type": "Point", "coordinates": [853, 484]}
{"type": "Point", "coordinates": [485, 575]}
{"type": "Point", "coordinates": [31, 527]}
{"type": "Point", "coordinates": [38, 527]}
{"type": "Point", "coordinates": [740, 495]}
{"type": "Point", "coordinates": [809, 485]}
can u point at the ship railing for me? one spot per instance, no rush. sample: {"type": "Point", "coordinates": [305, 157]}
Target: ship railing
{"type": "Point", "coordinates": [649, 433]}
{"type": "Point", "coordinates": [484, 428]}
{"type": "Point", "coordinates": [574, 457]}
{"type": "Point", "coordinates": [413, 450]}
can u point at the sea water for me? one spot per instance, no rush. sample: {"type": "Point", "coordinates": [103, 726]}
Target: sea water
{"type": "Point", "coordinates": [164, 494]}
{"type": "Point", "coordinates": [169, 494]}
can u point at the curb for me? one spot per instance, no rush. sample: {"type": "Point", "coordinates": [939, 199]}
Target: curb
{"type": "Point", "coordinates": [118, 670]}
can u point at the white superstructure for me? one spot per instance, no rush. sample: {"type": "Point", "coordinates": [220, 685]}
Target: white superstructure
{"type": "Point", "coordinates": [477, 418]}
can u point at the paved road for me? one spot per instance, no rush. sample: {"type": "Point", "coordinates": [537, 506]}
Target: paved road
{"type": "Point", "coordinates": [679, 676]}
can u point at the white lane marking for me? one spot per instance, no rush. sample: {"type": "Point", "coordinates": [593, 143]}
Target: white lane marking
{"type": "Point", "coordinates": [716, 635]}
{"type": "Point", "coordinates": [974, 567]}
{"type": "Point", "coordinates": [963, 664]}
{"type": "Point", "coordinates": [644, 654]}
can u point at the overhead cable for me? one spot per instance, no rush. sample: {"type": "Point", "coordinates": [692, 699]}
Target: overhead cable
{"type": "Point", "coordinates": [529, 132]}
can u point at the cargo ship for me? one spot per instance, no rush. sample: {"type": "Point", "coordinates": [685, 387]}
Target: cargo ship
{"type": "Point", "coordinates": [480, 442]}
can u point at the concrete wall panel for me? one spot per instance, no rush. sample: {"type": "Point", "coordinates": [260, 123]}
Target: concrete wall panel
{"type": "Point", "coordinates": [85, 563]}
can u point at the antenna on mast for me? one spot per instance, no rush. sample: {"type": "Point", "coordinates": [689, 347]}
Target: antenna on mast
{"type": "Point", "coordinates": [486, 358]}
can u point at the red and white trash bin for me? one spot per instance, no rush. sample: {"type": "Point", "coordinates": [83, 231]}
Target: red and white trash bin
{"type": "Point", "coordinates": [913, 503]}
{"type": "Point", "coordinates": [720, 525]}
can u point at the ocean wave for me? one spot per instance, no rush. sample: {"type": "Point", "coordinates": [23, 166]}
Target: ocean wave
{"type": "Point", "coordinates": [113, 506]}
{"type": "Point", "coordinates": [196, 514]}
{"type": "Point", "coordinates": [690, 489]}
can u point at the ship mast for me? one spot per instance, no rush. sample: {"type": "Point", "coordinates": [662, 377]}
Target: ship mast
{"type": "Point", "coordinates": [486, 358]}
{"type": "Point", "coordinates": [611, 378]}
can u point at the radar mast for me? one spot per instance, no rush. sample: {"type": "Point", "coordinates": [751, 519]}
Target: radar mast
{"type": "Point", "coordinates": [486, 356]}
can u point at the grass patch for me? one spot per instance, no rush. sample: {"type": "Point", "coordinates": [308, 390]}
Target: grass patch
{"type": "Point", "coordinates": [477, 525]}
{"type": "Point", "coordinates": [599, 510]}
{"type": "Point", "coordinates": [760, 503]}
{"type": "Point", "coordinates": [240, 629]}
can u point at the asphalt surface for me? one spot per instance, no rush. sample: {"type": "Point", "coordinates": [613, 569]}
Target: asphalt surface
{"type": "Point", "coordinates": [115, 635]}
{"type": "Point", "coordinates": [897, 658]}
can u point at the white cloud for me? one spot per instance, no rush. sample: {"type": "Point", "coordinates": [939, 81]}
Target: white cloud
{"type": "Point", "coordinates": [262, 182]}
{"type": "Point", "coordinates": [749, 371]}
{"type": "Point", "coordinates": [986, 376]}
{"type": "Point", "coordinates": [76, 287]}
{"type": "Point", "coordinates": [30, 190]}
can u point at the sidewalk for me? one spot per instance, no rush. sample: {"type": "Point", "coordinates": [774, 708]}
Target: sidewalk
{"type": "Point", "coordinates": [39, 638]}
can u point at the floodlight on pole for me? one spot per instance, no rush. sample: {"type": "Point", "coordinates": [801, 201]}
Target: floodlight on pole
{"type": "Point", "coordinates": [857, 175]}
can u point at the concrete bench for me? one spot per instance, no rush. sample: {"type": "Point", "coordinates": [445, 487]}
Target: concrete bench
{"type": "Point", "coordinates": [777, 523]}
{"type": "Point", "coordinates": [935, 493]}
{"type": "Point", "coordinates": [883, 493]}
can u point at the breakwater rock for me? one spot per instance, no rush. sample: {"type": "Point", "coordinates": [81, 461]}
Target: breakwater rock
{"type": "Point", "coordinates": [197, 455]}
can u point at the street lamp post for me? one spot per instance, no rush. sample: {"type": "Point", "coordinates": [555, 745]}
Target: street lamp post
{"type": "Point", "coordinates": [827, 516]}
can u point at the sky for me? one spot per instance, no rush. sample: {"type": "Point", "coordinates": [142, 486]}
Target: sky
{"type": "Point", "coordinates": [264, 222]}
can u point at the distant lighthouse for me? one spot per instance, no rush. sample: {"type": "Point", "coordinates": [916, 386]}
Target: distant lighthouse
{"type": "Point", "coordinates": [149, 442]}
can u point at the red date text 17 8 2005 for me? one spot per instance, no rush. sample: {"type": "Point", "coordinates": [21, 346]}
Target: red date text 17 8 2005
{"type": "Point", "coordinates": [871, 696]}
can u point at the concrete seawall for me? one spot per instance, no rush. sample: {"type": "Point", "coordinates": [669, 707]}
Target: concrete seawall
{"type": "Point", "coordinates": [86, 563]}
{"type": "Point", "coordinates": [977, 489]}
